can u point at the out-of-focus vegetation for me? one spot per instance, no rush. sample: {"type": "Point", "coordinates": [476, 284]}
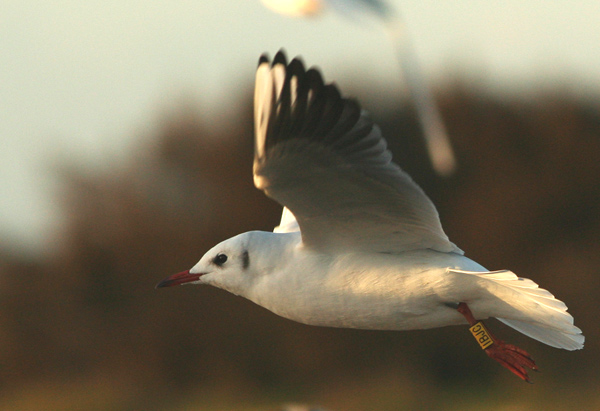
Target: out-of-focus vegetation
{"type": "Point", "coordinates": [85, 328]}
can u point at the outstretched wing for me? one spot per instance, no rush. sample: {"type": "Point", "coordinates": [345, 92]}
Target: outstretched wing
{"type": "Point", "coordinates": [321, 156]}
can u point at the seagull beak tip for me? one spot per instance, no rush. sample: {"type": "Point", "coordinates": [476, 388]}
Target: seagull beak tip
{"type": "Point", "coordinates": [177, 279]}
{"type": "Point", "coordinates": [162, 284]}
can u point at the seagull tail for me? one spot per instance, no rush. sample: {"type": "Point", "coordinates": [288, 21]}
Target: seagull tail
{"type": "Point", "coordinates": [521, 304]}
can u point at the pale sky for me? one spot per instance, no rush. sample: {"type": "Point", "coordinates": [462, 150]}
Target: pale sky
{"type": "Point", "coordinates": [85, 80]}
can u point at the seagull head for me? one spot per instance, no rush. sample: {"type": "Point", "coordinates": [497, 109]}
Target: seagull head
{"type": "Point", "coordinates": [230, 265]}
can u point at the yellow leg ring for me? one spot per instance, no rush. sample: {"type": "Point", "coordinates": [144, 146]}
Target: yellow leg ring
{"type": "Point", "coordinates": [482, 335]}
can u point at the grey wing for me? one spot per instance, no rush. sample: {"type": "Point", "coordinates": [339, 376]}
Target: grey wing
{"type": "Point", "coordinates": [321, 156]}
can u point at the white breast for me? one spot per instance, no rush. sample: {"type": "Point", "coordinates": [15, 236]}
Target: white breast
{"type": "Point", "coordinates": [370, 291]}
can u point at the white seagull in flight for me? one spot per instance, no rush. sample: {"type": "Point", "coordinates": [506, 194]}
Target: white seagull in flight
{"type": "Point", "coordinates": [360, 245]}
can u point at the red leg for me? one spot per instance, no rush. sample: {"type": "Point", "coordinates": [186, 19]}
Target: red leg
{"type": "Point", "coordinates": [509, 356]}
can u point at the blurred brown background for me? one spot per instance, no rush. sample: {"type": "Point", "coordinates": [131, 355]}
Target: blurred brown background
{"type": "Point", "coordinates": [84, 328]}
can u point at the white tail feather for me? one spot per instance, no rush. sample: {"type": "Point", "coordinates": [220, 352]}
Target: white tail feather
{"type": "Point", "coordinates": [551, 336]}
{"type": "Point", "coordinates": [521, 304]}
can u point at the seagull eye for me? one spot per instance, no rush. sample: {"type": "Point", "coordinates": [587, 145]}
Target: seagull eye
{"type": "Point", "coordinates": [220, 259]}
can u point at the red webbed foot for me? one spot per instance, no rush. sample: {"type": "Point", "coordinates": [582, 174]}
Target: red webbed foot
{"type": "Point", "coordinates": [508, 355]}
{"type": "Point", "coordinates": [512, 357]}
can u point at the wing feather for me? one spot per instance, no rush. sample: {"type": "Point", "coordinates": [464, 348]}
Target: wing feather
{"type": "Point", "coordinates": [321, 156]}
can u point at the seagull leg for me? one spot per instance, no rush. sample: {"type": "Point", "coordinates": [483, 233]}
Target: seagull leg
{"type": "Point", "coordinates": [508, 355]}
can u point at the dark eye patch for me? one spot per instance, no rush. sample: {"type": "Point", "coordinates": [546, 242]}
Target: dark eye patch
{"type": "Point", "coordinates": [220, 259]}
{"type": "Point", "coordinates": [245, 260]}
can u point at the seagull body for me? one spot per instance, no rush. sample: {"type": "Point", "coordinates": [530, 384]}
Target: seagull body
{"type": "Point", "coordinates": [359, 244]}
{"type": "Point", "coordinates": [350, 290]}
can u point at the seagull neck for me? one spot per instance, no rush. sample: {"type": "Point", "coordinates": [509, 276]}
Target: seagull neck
{"type": "Point", "coordinates": [269, 253]}
{"type": "Point", "coordinates": [271, 249]}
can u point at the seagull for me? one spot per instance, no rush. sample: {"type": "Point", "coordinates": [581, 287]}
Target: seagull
{"type": "Point", "coordinates": [301, 8]}
{"type": "Point", "coordinates": [360, 245]}
{"type": "Point", "coordinates": [434, 131]}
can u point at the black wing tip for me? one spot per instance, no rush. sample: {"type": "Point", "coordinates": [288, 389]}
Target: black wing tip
{"type": "Point", "coordinates": [316, 106]}
{"type": "Point", "coordinates": [315, 78]}
{"type": "Point", "coordinates": [332, 91]}
{"type": "Point", "coordinates": [264, 58]}
{"type": "Point", "coordinates": [280, 58]}
{"type": "Point", "coordinates": [312, 76]}
{"type": "Point", "coordinates": [294, 66]}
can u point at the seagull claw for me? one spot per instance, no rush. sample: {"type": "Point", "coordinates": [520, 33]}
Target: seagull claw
{"type": "Point", "coordinates": [513, 358]}
{"type": "Point", "coordinates": [509, 356]}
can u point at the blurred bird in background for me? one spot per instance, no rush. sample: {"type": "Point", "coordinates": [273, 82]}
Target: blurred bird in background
{"type": "Point", "coordinates": [435, 134]}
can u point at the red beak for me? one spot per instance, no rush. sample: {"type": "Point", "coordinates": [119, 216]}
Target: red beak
{"type": "Point", "coordinates": [179, 278]}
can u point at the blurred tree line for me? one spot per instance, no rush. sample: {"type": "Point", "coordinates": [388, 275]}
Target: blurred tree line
{"type": "Point", "coordinates": [526, 197]}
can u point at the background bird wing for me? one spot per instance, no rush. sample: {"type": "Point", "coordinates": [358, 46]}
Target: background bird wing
{"type": "Point", "coordinates": [321, 157]}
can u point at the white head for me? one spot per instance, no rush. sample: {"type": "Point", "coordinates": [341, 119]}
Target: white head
{"type": "Point", "coordinates": [230, 265]}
